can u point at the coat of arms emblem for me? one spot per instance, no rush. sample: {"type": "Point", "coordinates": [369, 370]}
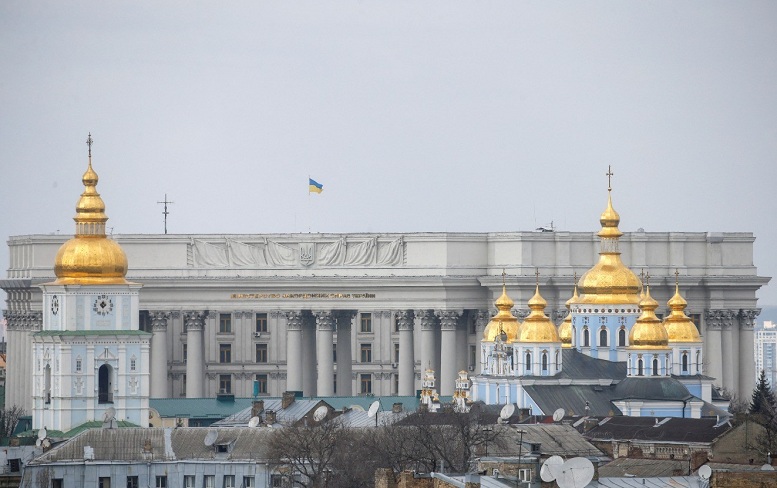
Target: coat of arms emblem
{"type": "Point", "coordinates": [306, 253]}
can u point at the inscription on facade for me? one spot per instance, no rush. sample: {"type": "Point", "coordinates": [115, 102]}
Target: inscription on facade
{"type": "Point", "coordinates": [299, 296]}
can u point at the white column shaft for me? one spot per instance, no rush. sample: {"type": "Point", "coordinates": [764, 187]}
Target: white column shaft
{"type": "Point", "coordinates": [159, 364]}
{"type": "Point", "coordinates": [448, 361]}
{"type": "Point", "coordinates": [194, 363]}
{"type": "Point", "coordinates": [406, 362]}
{"type": "Point", "coordinates": [326, 368]}
{"type": "Point", "coordinates": [712, 354]}
{"type": "Point", "coordinates": [344, 356]}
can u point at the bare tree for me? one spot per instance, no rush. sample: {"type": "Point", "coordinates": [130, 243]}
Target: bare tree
{"type": "Point", "coordinates": [8, 420]}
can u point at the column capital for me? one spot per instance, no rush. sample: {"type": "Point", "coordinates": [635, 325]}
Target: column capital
{"type": "Point", "coordinates": [324, 319]}
{"type": "Point", "coordinates": [195, 319]}
{"type": "Point", "coordinates": [404, 319]}
{"type": "Point", "coordinates": [24, 320]}
{"type": "Point", "coordinates": [719, 318]}
{"type": "Point", "coordinates": [294, 320]}
{"type": "Point", "coordinates": [159, 320]}
{"type": "Point", "coordinates": [427, 319]}
{"type": "Point", "coordinates": [343, 317]}
{"type": "Point", "coordinates": [449, 319]}
{"type": "Point", "coordinates": [175, 314]}
{"type": "Point", "coordinates": [521, 313]}
{"type": "Point", "coordinates": [747, 317]}
{"type": "Point", "coordinates": [482, 317]}
{"type": "Point", "coordinates": [558, 315]}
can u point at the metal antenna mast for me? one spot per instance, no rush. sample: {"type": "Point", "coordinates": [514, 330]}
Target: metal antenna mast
{"type": "Point", "coordinates": [165, 213]}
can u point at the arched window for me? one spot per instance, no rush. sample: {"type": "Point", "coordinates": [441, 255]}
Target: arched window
{"type": "Point", "coordinates": [47, 384]}
{"type": "Point", "coordinates": [105, 384]}
{"type": "Point", "coordinates": [528, 362]}
{"type": "Point", "coordinates": [655, 366]}
{"type": "Point", "coordinates": [685, 361]}
{"type": "Point", "coordinates": [698, 362]}
{"type": "Point", "coordinates": [544, 361]}
{"type": "Point", "coordinates": [603, 337]}
{"type": "Point", "coordinates": [557, 360]}
{"type": "Point", "coordinates": [622, 337]}
{"type": "Point", "coordinates": [586, 338]}
{"type": "Point", "coordinates": [640, 367]}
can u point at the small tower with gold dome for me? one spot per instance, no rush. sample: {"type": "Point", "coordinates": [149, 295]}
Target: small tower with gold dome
{"type": "Point", "coordinates": [537, 352]}
{"type": "Point", "coordinates": [90, 359]}
{"type": "Point", "coordinates": [649, 351]}
{"type": "Point", "coordinates": [684, 338]}
{"type": "Point", "coordinates": [607, 308]}
{"type": "Point", "coordinates": [500, 332]}
{"type": "Point", "coordinates": [565, 331]}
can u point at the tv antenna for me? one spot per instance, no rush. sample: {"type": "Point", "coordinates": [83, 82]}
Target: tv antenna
{"type": "Point", "coordinates": [210, 437]}
{"type": "Point", "coordinates": [320, 413]}
{"type": "Point", "coordinates": [165, 212]}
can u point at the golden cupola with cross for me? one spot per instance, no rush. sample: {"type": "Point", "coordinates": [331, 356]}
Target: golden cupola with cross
{"type": "Point", "coordinates": [537, 327]}
{"type": "Point", "coordinates": [565, 327]}
{"type": "Point", "coordinates": [90, 257]}
{"type": "Point", "coordinates": [504, 321]}
{"type": "Point", "coordinates": [609, 282]}
{"type": "Point", "coordinates": [648, 332]}
{"type": "Point", "coordinates": [679, 327]}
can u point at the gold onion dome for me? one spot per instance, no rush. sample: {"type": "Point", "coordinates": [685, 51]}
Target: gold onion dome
{"type": "Point", "coordinates": [90, 257]}
{"type": "Point", "coordinates": [565, 327]}
{"type": "Point", "coordinates": [537, 327]}
{"type": "Point", "coordinates": [503, 321]}
{"type": "Point", "coordinates": [648, 332]}
{"type": "Point", "coordinates": [679, 327]}
{"type": "Point", "coordinates": [609, 281]}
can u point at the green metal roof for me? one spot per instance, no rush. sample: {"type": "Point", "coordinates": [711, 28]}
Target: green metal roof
{"type": "Point", "coordinates": [210, 408]}
{"type": "Point", "coordinates": [86, 333]}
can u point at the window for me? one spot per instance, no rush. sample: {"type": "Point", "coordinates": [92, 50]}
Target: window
{"type": "Point", "coordinates": [586, 338]}
{"type": "Point", "coordinates": [698, 361]}
{"type": "Point", "coordinates": [229, 481]}
{"type": "Point", "coordinates": [248, 482]}
{"type": "Point", "coordinates": [366, 322]}
{"type": "Point", "coordinates": [622, 337]}
{"type": "Point", "coordinates": [132, 482]}
{"type": "Point", "coordinates": [366, 353]}
{"type": "Point", "coordinates": [105, 384]}
{"type": "Point", "coordinates": [366, 383]}
{"type": "Point", "coordinates": [183, 385]}
{"type": "Point", "coordinates": [655, 366]}
{"type": "Point", "coordinates": [527, 362]}
{"type": "Point", "coordinates": [133, 363]}
{"type": "Point", "coordinates": [544, 361]}
{"type": "Point", "coordinates": [209, 481]}
{"type": "Point", "coordinates": [396, 353]}
{"type": "Point", "coordinates": [261, 384]}
{"type": "Point", "coordinates": [685, 361]}
{"type": "Point", "coordinates": [396, 384]}
{"type": "Point", "coordinates": [57, 483]}
{"type": "Point", "coordinates": [261, 322]}
{"type": "Point", "coordinates": [104, 482]}
{"type": "Point", "coordinates": [225, 323]}
{"type": "Point", "coordinates": [261, 353]}
{"type": "Point", "coordinates": [558, 357]}
{"type": "Point", "coordinates": [185, 353]}
{"type": "Point", "coordinates": [161, 482]}
{"type": "Point", "coordinates": [473, 357]}
{"type": "Point", "coordinates": [334, 353]}
{"type": "Point", "coordinates": [640, 367]}
{"type": "Point", "coordinates": [78, 365]}
{"type": "Point", "coordinates": [188, 481]}
{"type": "Point", "coordinates": [225, 384]}
{"type": "Point", "coordinates": [276, 481]}
{"type": "Point", "coordinates": [603, 337]}
{"type": "Point", "coordinates": [225, 353]}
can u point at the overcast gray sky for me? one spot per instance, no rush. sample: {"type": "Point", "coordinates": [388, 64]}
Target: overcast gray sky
{"type": "Point", "coordinates": [416, 116]}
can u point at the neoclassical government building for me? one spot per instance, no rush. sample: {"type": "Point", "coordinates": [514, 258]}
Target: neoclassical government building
{"type": "Point", "coordinates": [367, 313]}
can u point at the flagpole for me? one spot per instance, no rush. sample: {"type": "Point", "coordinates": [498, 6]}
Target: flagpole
{"type": "Point", "coordinates": [310, 217]}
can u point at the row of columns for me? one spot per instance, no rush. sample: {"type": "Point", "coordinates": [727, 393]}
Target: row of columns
{"type": "Point", "coordinates": [729, 344]}
{"type": "Point", "coordinates": [19, 363]}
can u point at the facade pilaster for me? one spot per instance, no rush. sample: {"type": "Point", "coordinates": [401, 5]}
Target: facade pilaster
{"type": "Point", "coordinates": [325, 363]}
{"type": "Point", "coordinates": [159, 368]}
{"type": "Point", "coordinates": [714, 320]}
{"type": "Point", "coordinates": [449, 319]}
{"type": "Point", "coordinates": [195, 361]}
{"type": "Point", "coordinates": [294, 351]}
{"type": "Point", "coordinates": [344, 321]}
{"type": "Point", "coordinates": [747, 373]}
{"type": "Point", "coordinates": [19, 363]}
{"type": "Point", "coordinates": [427, 323]}
{"type": "Point", "coordinates": [406, 370]}
{"type": "Point", "coordinates": [482, 317]}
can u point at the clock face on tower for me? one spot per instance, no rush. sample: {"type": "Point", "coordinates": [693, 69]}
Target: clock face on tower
{"type": "Point", "coordinates": [54, 305]}
{"type": "Point", "coordinates": [103, 305]}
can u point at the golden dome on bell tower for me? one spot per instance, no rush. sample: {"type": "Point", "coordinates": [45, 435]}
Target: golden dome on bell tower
{"type": "Point", "coordinates": [609, 281]}
{"type": "Point", "coordinates": [504, 320]}
{"type": "Point", "coordinates": [648, 332]}
{"type": "Point", "coordinates": [537, 327]}
{"type": "Point", "coordinates": [90, 257]}
{"type": "Point", "coordinates": [679, 327]}
{"type": "Point", "coordinates": [565, 327]}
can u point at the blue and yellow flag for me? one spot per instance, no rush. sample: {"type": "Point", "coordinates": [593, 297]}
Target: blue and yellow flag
{"type": "Point", "coordinates": [314, 186]}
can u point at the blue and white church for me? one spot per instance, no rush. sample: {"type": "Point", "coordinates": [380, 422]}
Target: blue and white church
{"type": "Point", "coordinates": [611, 355]}
{"type": "Point", "coordinates": [90, 360]}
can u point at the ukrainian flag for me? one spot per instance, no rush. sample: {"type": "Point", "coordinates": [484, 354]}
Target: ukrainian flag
{"type": "Point", "coordinates": [314, 186]}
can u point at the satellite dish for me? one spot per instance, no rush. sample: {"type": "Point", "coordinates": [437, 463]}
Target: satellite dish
{"type": "Point", "coordinates": [42, 434]}
{"type": "Point", "coordinates": [705, 472]}
{"type": "Point", "coordinates": [254, 422]}
{"type": "Point", "coordinates": [320, 413]}
{"type": "Point", "coordinates": [558, 415]}
{"type": "Point", "coordinates": [507, 411]}
{"type": "Point", "coordinates": [38, 442]}
{"type": "Point", "coordinates": [46, 443]}
{"type": "Point", "coordinates": [551, 468]}
{"type": "Point", "coordinates": [110, 414]}
{"type": "Point", "coordinates": [575, 473]}
{"type": "Point", "coordinates": [373, 411]}
{"type": "Point", "coordinates": [356, 408]}
{"type": "Point", "coordinates": [210, 437]}
{"type": "Point", "coordinates": [765, 467]}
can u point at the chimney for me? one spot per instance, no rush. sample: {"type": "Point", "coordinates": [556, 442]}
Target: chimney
{"type": "Point", "coordinates": [269, 417]}
{"type": "Point", "coordinates": [288, 399]}
{"type": "Point", "coordinates": [397, 407]}
{"type": "Point", "coordinates": [257, 407]}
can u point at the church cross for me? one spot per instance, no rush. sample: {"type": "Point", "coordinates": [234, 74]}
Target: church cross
{"type": "Point", "coordinates": [647, 278]}
{"type": "Point", "coordinates": [609, 174]}
{"type": "Point", "coordinates": [503, 276]}
{"type": "Point", "coordinates": [537, 275]}
{"type": "Point", "coordinates": [89, 143]}
{"type": "Point", "coordinates": [676, 277]}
